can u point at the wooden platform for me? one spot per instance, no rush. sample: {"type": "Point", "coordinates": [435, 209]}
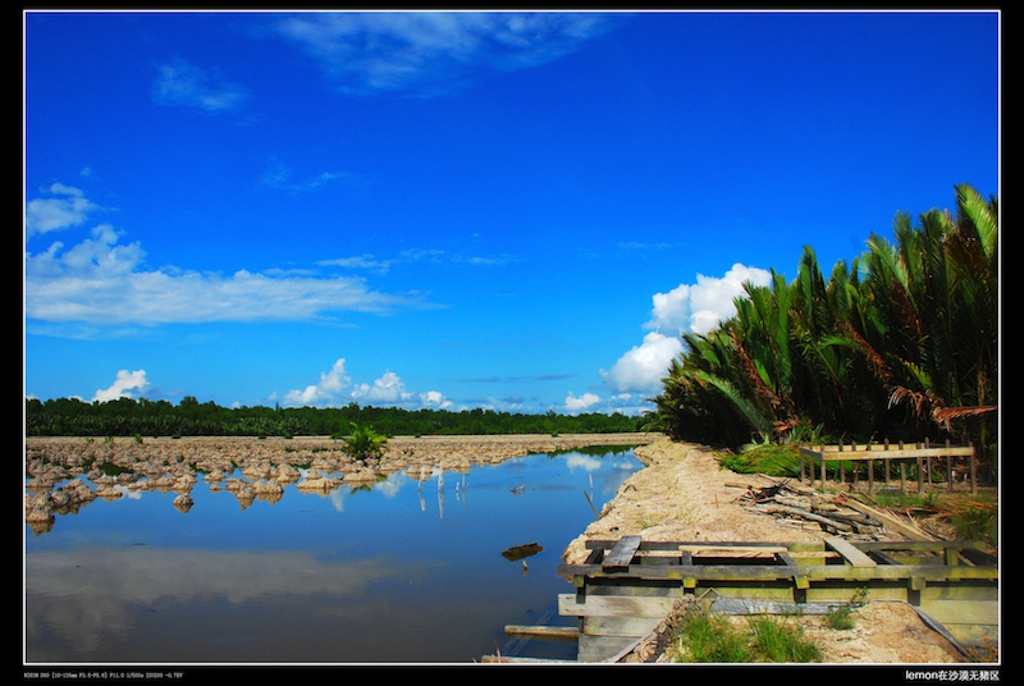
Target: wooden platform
{"type": "Point", "coordinates": [626, 587]}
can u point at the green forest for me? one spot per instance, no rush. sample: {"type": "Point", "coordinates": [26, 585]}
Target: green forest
{"type": "Point", "coordinates": [130, 417]}
{"type": "Point", "coordinates": [900, 344]}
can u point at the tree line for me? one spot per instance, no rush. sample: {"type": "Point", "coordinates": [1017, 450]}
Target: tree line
{"type": "Point", "coordinates": [143, 417]}
{"type": "Point", "coordinates": [900, 344]}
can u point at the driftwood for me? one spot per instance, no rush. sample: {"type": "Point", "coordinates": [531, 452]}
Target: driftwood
{"type": "Point", "coordinates": [518, 552]}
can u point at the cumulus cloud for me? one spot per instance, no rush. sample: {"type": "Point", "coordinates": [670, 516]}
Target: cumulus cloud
{"type": "Point", "coordinates": [388, 389]}
{"type": "Point", "coordinates": [427, 53]}
{"type": "Point", "coordinates": [104, 282]}
{"type": "Point", "coordinates": [66, 207]}
{"type": "Point", "coordinates": [694, 308]}
{"type": "Point", "coordinates": [329, 390]}
{"type": "Point", "coordinates": [127, 385]}
{"type": "Point", "coordinates": [336, 388]}
{"type": "Point", "coordinates": [700, 307]}
{"type": "Point", "coordinates": [574, 404]}
{"type": "Point", "coordinates": [643, 366]}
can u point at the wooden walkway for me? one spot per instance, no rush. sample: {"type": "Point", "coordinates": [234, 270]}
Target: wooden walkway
{"type": "Point", "coordinates": [626, 587]}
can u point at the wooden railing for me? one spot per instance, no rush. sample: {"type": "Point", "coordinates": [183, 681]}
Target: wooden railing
{"type": "Point", "coordinates": [960, 462]}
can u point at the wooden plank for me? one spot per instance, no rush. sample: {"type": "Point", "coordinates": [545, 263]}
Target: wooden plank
{"type": "Point", "coordinates": [854, 556]}
{"type": "Point", "coordinates": [897, 454]}
{"type": "Point", "coordinates": [880, 450]}
{"type": "Point", "coordinates": [604, 648]}
{"type": "Point", "coordinates": [670, 546]}
{"type": "Point", "coordinates": [614, 606]}
{"type": "Point", "coordinates": [739, 551]}
{"type": "Point", "coordinates": [708, 575]}
{"type": "Point", "coordinates": [619, 626]}
{"type": "Point", "coordinates": [556, 633]}
{"type": "Point", "coordinates": [912, 532]}
{"type": "Point", "coordinates": [504, 659]}
{"type": "Point", "coordinates": [622, 553]}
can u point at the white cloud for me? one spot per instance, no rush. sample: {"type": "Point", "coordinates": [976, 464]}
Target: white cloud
{"type": "Point", "coordinates": [328, 391]}
{"type": "Point", "coordinates": [695, 308]}
{"type": "Point", "coordinates": [388, 389]}
{"type": "Point", "coordinates": [336, 388]}
{"type": "Point", "coordinates": [70, 208]}
{"type": "Point", "coordinates": [642, 367]}
{"type": "Point", "coordinates": [101, 282]}
{"type": "Point", "coordinates": [127, 385]}
{"type": "Point", "coordinates": [574, 404]}
{"type": "Point", "coordinates": [181, 83]}
{"type": "Point", "coordinates": [700, 307]}
{"type": "Point", "coordinates": [433, 52]}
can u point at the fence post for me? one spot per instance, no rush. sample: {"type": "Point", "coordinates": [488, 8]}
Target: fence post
{"type": "Point", "coordinates": [949, 469]}
{"type": "Point", "coordinates": [871, 470]}
{"type": "Point", "coordinates": [888, 463]}
{"type": "Point", "coordinates": [928, 462]}
{"type": "Point", "coordinates": [822, 469]}
{"type": "Point", "coordinates": [921, 471]}
{"type": "Point", "coordinates": [973, 459]}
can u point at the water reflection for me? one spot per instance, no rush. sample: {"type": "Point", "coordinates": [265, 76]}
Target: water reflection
{"type": "Point", "coordinates": [404, 569]}
{"type": "Point", "coordinates": [87, 598]}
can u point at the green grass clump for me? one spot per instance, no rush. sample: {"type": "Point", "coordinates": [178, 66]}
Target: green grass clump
{"type": "Point", "coordinates": [710, 638]}
{"type": "Point", "coordinates": [840, 617]}
{"type": "Point", "coordinates": [776, 640]}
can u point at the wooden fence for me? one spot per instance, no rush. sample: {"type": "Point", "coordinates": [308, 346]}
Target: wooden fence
{"type": "Point", "coordinates": [959, 461]}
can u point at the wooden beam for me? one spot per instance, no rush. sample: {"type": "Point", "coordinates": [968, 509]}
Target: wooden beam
{"type": "Point", "coordinates": [558, 633]}
{"type": "Point", "coordinates": [912, 532]}
{"type": "Point", "coordinates": [615, 606]}
{"type": "Point", "coordinates": [504, 659]}
{"type": "Point", "coordinates": [708, 549]}
{"type": "Point", "coordinates": [831, 452]}
{"type": "Point", "coordinates": [854, 556]}
{"type": "Point", "coordinates": [622, 553]}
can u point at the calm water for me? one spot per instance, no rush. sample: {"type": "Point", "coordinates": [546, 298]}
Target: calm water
{"type": "Point", "coordinates": [408, 571]}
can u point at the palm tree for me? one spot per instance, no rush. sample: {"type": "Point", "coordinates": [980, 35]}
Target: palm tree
{"type": "Point", "coordinates": [934, 316]}
{"type": "Point", "coordinates": [902, 343]}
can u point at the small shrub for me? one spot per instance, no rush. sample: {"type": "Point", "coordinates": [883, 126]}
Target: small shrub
{"type": "Point", "coordinates": [364, 443]}
{"type": "Point", "coordinates": [841, 616]}
{"type": "Point", "coordinates": [975, 523]}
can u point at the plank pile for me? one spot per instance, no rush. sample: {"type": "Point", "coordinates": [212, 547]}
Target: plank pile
{"type": "Point", "coordinates": [795, 505]}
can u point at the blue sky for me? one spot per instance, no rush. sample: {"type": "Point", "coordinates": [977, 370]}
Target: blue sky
{"type": "Point", "coordinates": [516, 211]}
